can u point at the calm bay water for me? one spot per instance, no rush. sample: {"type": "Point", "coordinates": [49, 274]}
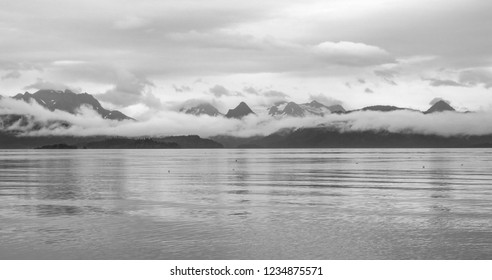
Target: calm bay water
{"type": "Point", "coordinates": [246, 204]}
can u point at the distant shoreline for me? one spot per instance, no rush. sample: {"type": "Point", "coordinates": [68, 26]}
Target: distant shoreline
{"type": "Point", "coordinates": [305, 138]}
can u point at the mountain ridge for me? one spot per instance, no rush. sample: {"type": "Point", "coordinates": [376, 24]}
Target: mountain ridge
{"type": "Point", "coordinates": [70, 102]}
{"type": "Point", "coordinates": [240, 111]}
{"type": "Point", "coordinates": [440, 106]}
{"type": "Point", "coordinates": [331, 137]}
{"type": "Point", "coordinates": [203, 108]}
{"type": "Point", "coordinates": [300, 110]}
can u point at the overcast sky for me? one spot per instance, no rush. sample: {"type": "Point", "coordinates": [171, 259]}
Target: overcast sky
{"type": "Point", "coordinates": [146, 55]}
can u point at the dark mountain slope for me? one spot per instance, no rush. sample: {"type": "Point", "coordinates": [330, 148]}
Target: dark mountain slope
{"type": "Point", "coordinates": [202, 109]}
{"type": "Point", "coordinates": [325, 137]}
{"type": "Point", "coordinates": [69, 101]}
{"type": "Point", "coordinates": [239, 112]}
{"type": "Point", "coordinates": [440, 106]}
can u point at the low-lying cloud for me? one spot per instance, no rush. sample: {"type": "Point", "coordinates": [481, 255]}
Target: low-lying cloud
{"type": "Point", "coordinates": [437, 99]}
{"type": "Point", "coordinates": [220, 91]}
{"type": "Point", "coordinates": [86, 122]}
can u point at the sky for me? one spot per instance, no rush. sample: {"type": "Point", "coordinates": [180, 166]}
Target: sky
{"type": "Point", "coordinates": [146, 57]}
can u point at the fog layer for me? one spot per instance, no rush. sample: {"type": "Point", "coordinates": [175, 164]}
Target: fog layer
{"type": "Point", "coordinates": [87, 122]}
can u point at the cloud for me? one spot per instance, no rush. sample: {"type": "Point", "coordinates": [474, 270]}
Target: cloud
{"type": "Point", "coordinates": [267, 97]}
{"type": "Point", "coordinates": [439, 83]}
{"type": "Point", "coordinates": [163, 123]}
{"type": "Point", "coordinates": [437, 99]}
{"type": "Point", "coordinates": [194, 102]}
{"type": "Point", "coordinates": [452, 30]}
{"type": "Point", "coordinates": [274, 93]}
{"type": "Point", "coordinates": [316, 44]}
{"type": "Point", "coordinates": [387, 75]}
{"type": "Point", "coordinates": [352, 54]}
{"type": "Point", "coordinates": [267, 93]}
{"type": "Point", "coordinates": [84, 119]}
{"type": "Point", "coordinates": [444, 124]}
{"type": "Point", "coordinates": [14, 69]}
{"type": "Point", "coordinates": [328, 101]}
{"type": "Point", "coordinates": [130, 89]}
{"type": "Point", "coordinates": [42, 84]}
{"type": "Point", "coordinates": [68, 62]}
{"type": "Point", "coordinates": [182, 88]}
{"type": "Point", "coordinates": [100, 72]}
{"type": "Point", "coordinates": [368, 90]}
{"type": "Point", "coordinates": [15, 74]}
{"type": "Point", "coordinates": [220, 91]}
{"type": "Point", "coordinates": [251, 90]}
{"type": "Point", "coordinates": [476, 77]}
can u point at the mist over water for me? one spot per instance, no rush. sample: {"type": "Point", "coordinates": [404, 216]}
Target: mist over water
{"type": "Point", "coordinates": [246, 204]}
{"type": "Point", "coordinates": [86, 122]}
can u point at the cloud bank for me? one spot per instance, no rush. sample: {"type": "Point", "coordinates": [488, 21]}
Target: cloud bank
{"type": "Point", "coordinates": [132, 53]}
{"type": "Point", "coordinates": [86, 122]}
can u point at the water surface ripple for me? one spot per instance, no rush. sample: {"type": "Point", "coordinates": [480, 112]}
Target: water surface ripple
{"type": "Point", "coordinates": [246, 204]}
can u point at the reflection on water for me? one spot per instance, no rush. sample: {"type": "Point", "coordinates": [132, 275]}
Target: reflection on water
{"type": "Point", "coordinates": [246, 204]}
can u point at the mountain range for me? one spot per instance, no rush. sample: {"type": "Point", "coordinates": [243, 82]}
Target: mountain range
{"type": "Point", "coordinates": [330, 137]}
{"type": "Point", "coordinates": [202, 109]}
{"type": "Point", "coordinates": [205, 108]}
{"type": "Point", "coordinates": [300, 110]}
{"type": "Point", "coordinates": [70, 102]}
{"type": "Point", "coordinates": [323, 136]}
{"type": "Point", "coordinates": [292, 109]}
